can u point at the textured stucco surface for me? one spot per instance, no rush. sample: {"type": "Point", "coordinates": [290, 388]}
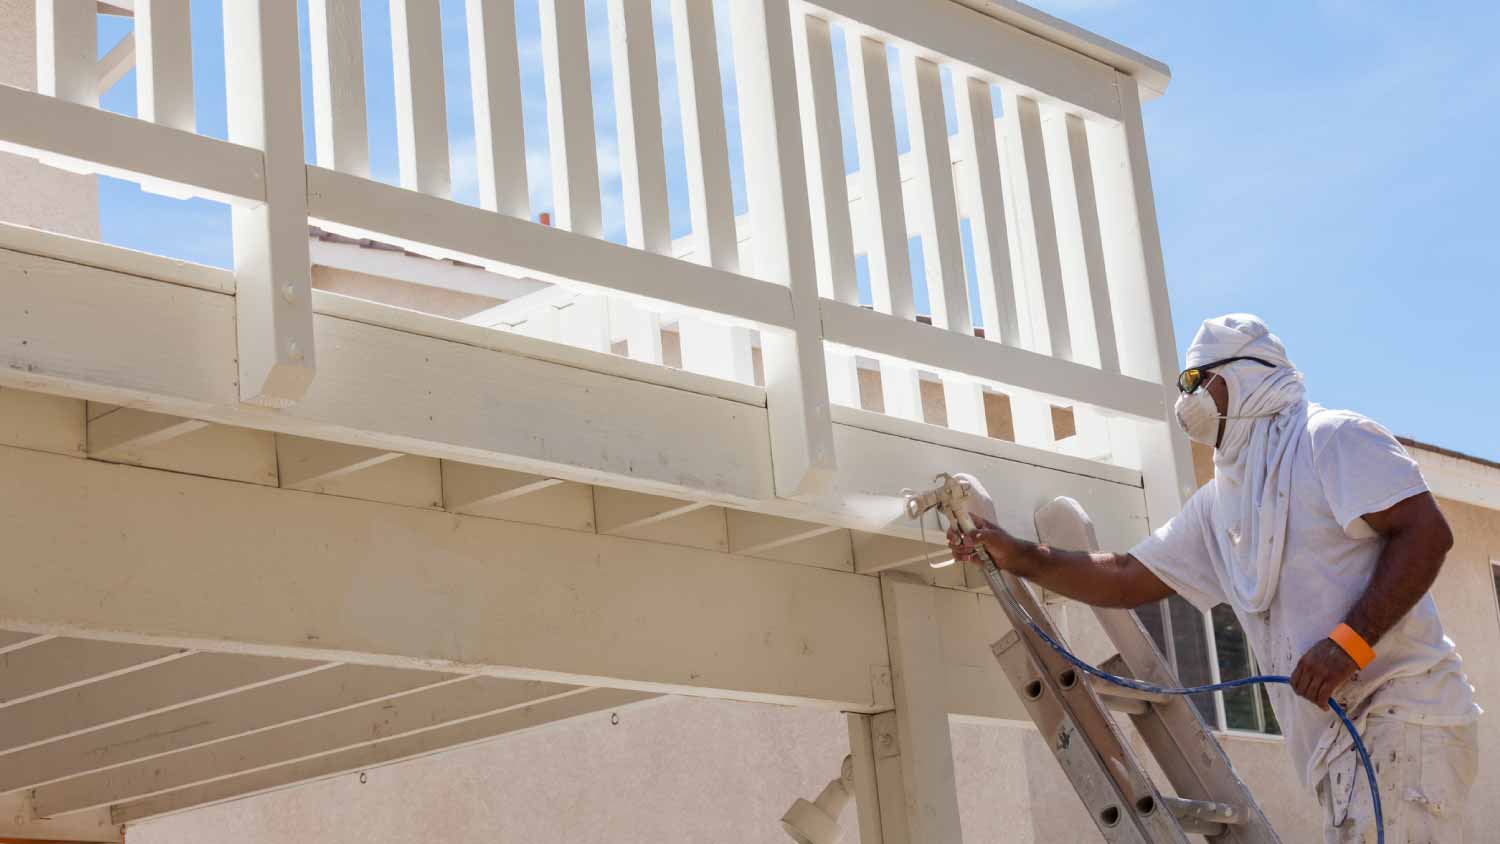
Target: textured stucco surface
{"type": "Point", "coordinates": [31, 194]}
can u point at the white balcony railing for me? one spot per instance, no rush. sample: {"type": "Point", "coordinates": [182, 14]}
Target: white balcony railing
{"type": "Point", "coordinates": [1055, 193]}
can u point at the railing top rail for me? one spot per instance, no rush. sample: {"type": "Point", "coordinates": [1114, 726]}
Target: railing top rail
{"type": "Point", "coordinates": [1152, 74]}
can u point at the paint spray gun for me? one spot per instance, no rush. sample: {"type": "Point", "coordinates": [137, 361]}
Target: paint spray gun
{"type": "Point", "coordinates": [953, 497]}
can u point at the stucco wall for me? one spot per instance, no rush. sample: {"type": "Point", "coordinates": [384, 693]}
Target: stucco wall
{"type": "Point", "coordinates": [31, 194]}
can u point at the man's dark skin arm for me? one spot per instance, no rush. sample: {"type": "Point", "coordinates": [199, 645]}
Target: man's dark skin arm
{"type": "Point", "coordinates": [1417, 538]}
{"type": "Point", "coordinates": [1102, 580]}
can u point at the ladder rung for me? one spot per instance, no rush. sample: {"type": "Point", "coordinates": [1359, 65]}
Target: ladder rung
{"type": "Point", "coordinates": [1204, 817]}
{"type": "Point", "coordinates": [1125, 699]}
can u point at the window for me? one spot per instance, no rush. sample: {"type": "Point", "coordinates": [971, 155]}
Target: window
{"type": "Point", "coordinates": [1187, 637]}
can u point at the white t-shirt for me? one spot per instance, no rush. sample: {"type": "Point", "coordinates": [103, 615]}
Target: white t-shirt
{"type": "Point", "coordinates": [1353, 467]}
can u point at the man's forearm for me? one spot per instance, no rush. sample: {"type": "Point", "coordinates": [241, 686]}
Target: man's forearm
{"type": "Point", "coordinates": [1407, 567]}
{"type": "Point", "coordinates": [1098, 579]}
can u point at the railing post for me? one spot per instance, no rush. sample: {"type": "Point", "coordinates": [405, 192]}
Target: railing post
{"type": "Point", "coordinates": [776, 186]}
{"type": "Point", "coordinates": [273, 298]}
{"type": "Point", "coordinates": [65, 47]}
{"type": "Point", "coordinates": [1132, 249]}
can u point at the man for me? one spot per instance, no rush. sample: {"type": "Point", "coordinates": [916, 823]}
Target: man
{"type": "Point", "coordinates": [1318, 530]}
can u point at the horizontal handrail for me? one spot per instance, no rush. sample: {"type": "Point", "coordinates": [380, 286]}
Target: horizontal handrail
{"type": "Point", "coordinates": [87, 139]}
{"type": "Point", "coordinates": [339, 201]}
{"type": "Point", "coordinates": [909, 341]}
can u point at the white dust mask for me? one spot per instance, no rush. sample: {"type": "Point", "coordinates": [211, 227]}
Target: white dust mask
{"type": "Point", "coordinates": [1198, 417]}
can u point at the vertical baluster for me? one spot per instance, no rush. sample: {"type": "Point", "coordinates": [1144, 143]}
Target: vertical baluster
{"type": "Point", "coordinates": [1033, 201]}
{"type": "Point", "coordinates": [338, 84]}
{"type": "Point", "coordinates": [643, 173]}
{"type": "Point", "coordinates": [499, 137]}
{"type": "Point", "coordinates": [979, 148]}
{"type": "Point", "coordinates": [707, 347]}
{"type": "Point", "coordinates": [1081, 251]}
{"type": "Point", "coordinates": [273, 293]}
{"type": "Point", "coordinates": [776, 185]}
{"type": "Point", "coordinates": [421, 105]}
{"type": "Point", "coordinates": [164, 63]}
{"type": "Point", "coordinates": [570, 117]}
{"type": "Point", "coordinates": [1132, 251]}
{"type": "Point", "coordinates": [570, 131]}
{"type": "Point", "coordinates": [933, 195]}
{"type": "Point", "coordinates": [66, 45]}
{"type": "Point", "coordinates": [884, 212]}
{"type": "Point", "coordinates": [827, 187]}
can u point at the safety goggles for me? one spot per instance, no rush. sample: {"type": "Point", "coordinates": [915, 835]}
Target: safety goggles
{"type": "Point", "coordinates": [1191, 379]}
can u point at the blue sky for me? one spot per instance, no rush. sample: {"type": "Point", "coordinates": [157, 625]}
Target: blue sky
{"type": "Point", "coordinates": [1328, 165]}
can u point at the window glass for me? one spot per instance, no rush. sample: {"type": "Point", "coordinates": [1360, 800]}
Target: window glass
{"type": "Point", "coordinates": [1242, 705]}
{"type": "Point", "coordinates": [1191, 646]}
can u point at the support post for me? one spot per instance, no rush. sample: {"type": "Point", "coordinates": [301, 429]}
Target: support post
{"type": "Point", "coordinates": [1132, 254]}
{"type": "Point", "coordinates": [273, 295]}
{"type": "Point", "coordinates": [920, 738]}
{"type": "Point", "coordinates": [776, 183]}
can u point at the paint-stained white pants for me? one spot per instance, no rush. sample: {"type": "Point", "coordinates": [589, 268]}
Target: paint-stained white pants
{"type": "Point", "coordinates": [1424, 773]}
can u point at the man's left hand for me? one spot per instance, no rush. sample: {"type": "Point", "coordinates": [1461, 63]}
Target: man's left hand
{"type": "Point", "coordinates": [1322, 671]}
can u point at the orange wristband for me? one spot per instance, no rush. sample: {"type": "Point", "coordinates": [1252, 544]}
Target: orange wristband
{"type": "Point", "coordinates": [1353, 644]}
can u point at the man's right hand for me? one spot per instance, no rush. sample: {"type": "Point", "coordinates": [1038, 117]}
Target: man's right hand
{"type": "Point", "coordinates": [1004, 549]}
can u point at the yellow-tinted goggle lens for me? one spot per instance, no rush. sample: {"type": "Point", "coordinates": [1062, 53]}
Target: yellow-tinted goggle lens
{"type": "Point", "coordinates": [1189, 380]}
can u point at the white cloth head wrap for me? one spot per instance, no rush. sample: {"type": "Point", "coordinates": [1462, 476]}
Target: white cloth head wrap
{"type": "Point", "coordinates": [1254, 459]}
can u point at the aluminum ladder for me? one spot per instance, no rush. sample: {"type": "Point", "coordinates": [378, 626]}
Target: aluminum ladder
{"type": "Point", "coordinates": [1073, 710]}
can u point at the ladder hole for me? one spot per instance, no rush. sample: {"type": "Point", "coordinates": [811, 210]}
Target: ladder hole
{"type": "Point", "coordinates": [1110, 816]}
{"type": "Point", "coordinates": [1146, 805]}
{"type": "Point", "coordinates": [1033, 690]}
{"type": "Point", "coordinates": [1068, 678]}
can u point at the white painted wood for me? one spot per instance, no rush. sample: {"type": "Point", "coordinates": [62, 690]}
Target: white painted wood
{"type": "Point", "coordinates": [566, 505]}
{"type": "Point", "coordinates": [1132, 253]}
{"type": "Point", "coordinates": [306, 463]}
{"type": "Point", "coordinates": [827, 187]}
{"type": "Point", "coordinates": [130, 430]}
{"type": "Point", "coordinates": [876, 552]}
{"type": "Point", "coordinates": [18, 821]}
{"type": "Point", "coordinates": [422, 710]}
{"type": "Point", "coordinates": [164, 63]}
{"type": "Point", "coordinates": [93, 253]}
{"type": "Point", "coordinates": [1472, 481]}
{"type": "Point", "coordinates": [251, 712]}
{"type": "Point", "coordinates": [42, 422]}
{"type": "Point", "coordinates": [273, 294]}
{"type": "Point", "coordinates": [985, 202]}
{"type": "Point", "coordinates": [499, 135]}
{"type": "Point", "coordinates": [1091, 314]}
{"type": "Point", "coordinates": [880, 180]}
{"type": "Point", "coordinates": [933, 195]}
{"type": "Point", "coordinates": [585, 323]}
{"type": "Point", "coordinates": [65, 51]}
{"type": "Point", "coordinates": [617, 511]}
{"type": "Point", "coordinates": [643, 174]}
{"type": "Point", "coordinates": [716, 349]}
{"type": "Point", "coordinates": [830, 550]}
{"type": "Point", "coordinates": [338, 85]}
{"type": "Point", "coordinates": [918, 679]}
{"type": "Point", "coordinates": [160, 688]}
{"type": "Point", "coordinates": [803, 457]}
{"type": "Point", "coordinates": [942, 30]}
{"type": "Point", "coordinates": [59, 664]}
{"type": "Point", "coordinates": [901, 387]}
{"type": "Point", "coordinates": [89, 139]}
{"type": "Point", "coordinates": [843, 377]}
{"type": "Point", "coordinates": [119, 61]}
{"type": "Point", "coordinates": [640, 328]}
{"type": "Point", "coordinates": [427, 272]}
{"type": "Point", "coordinates": [754, 534]}
{"type": "Point", "coordinates": [963, 398]}
{"type": "Point", "coordinates": [412, 745]}
{"type": "Point", "coordinates": [868, 807]}
{"type": "Point", "coordinates": [1007, 368]}
{"type": "Point", "coordinates": [467, 487]}
{"type": "Point", "coordinates": [570, 118]}
{"type": "Point", "coordinates": [10, 640]}
{"type": "Point", "coordinates": [508, 600]}
{"type": "Point", "coordinates": [370, 209]}
{"type": "Point", "coordinates": [421, 102]}
{"type": "Point", "coordinates": [1032, 196]}
{"type": "Point", "coordinates": [705, 147]}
